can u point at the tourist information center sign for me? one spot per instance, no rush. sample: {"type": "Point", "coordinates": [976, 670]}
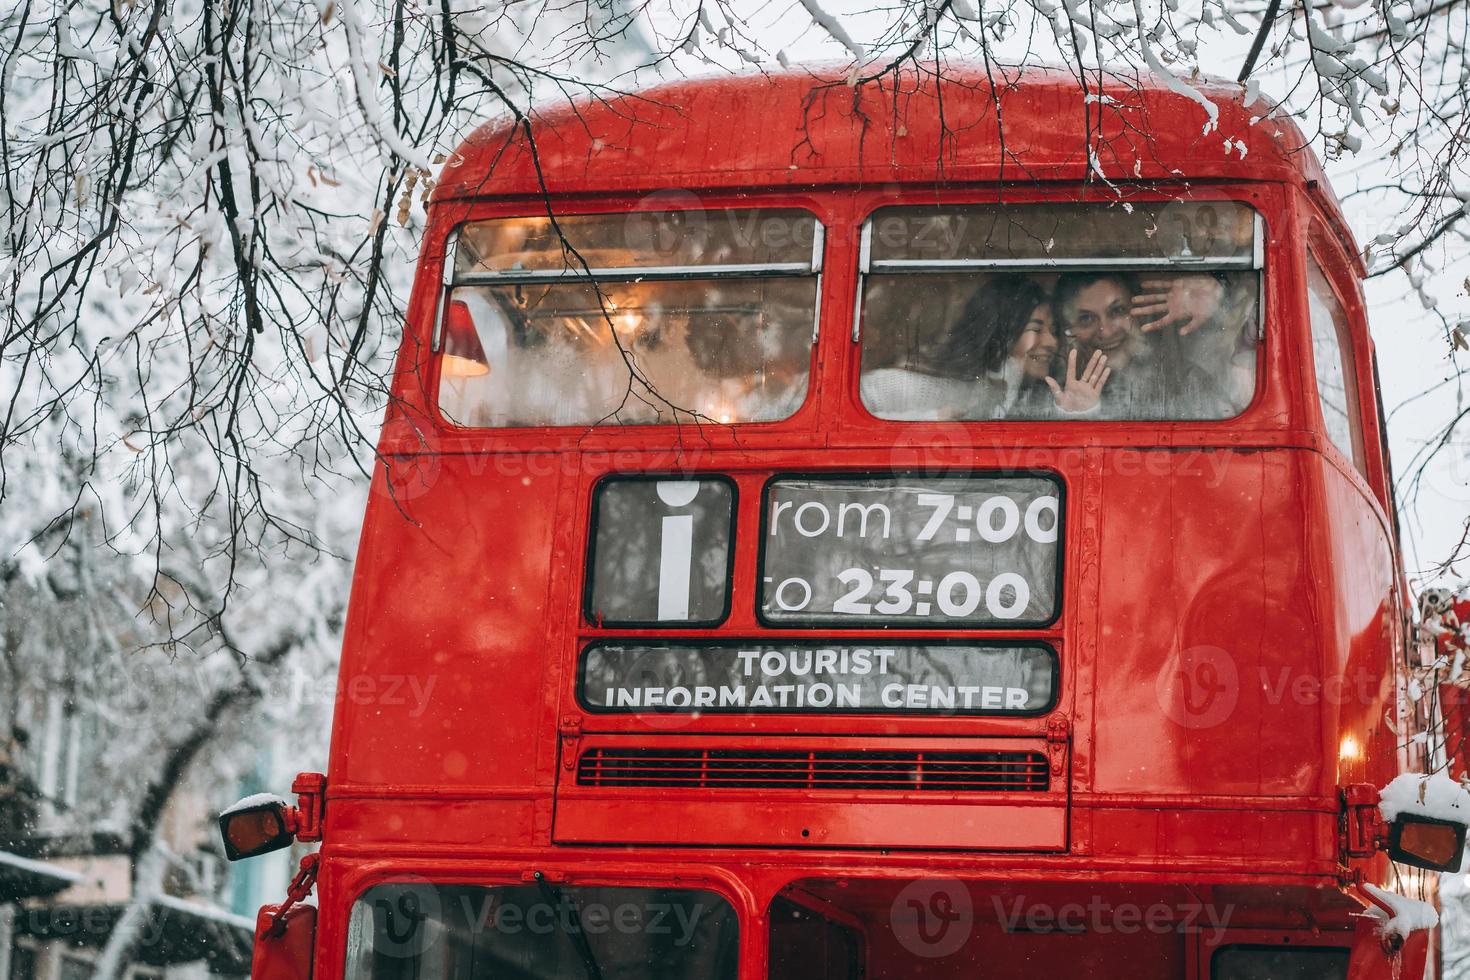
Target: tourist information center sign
{"type": "Point", "coordinates": [828, 678]}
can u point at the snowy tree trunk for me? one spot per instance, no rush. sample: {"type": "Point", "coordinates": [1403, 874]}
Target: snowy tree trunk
{"type": "Point", "coordinates": [150, 860]}
{"type": "Point", "coordinates": [148, 871]}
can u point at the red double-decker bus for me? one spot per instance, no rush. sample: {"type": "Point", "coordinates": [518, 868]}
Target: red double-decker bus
{"type": "Point", "coordinates": [912, 529]}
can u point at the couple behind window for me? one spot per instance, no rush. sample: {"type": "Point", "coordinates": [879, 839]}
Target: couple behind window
{"type": "Point", "coordinates": [1098, 344]}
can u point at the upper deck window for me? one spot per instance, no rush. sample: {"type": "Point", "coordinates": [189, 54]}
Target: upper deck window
{"type": "Point", "coordinates": [1332, 359]}
{"type": "Point", "coordinates": [635, 318]}
{"type": "Point", "coordinates": [1061, 311]}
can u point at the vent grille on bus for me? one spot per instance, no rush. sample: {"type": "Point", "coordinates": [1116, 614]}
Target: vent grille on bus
{"type": "Point", "coordinates": [946, 772]}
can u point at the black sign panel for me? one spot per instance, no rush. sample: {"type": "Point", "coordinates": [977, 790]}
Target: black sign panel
{"type": "Point", "coordinates": [660, 553]}
{"type": "Point", "coordinates": [953, 551]}
{"type": "Point", "coordinates": [827, 677]}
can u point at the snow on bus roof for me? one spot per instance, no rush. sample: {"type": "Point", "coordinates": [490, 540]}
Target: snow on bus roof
{"type": "Point", "coordinates": [804, 128]}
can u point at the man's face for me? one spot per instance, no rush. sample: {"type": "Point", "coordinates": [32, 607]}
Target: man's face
{"type": "Point", "coordinates": [1100, 321]}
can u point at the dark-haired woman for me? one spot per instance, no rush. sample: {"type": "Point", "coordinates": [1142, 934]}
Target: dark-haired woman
{"type": "Point", "coordinates": [994, 362]}
{"type": "Point", "coordinates": [1010, 324]}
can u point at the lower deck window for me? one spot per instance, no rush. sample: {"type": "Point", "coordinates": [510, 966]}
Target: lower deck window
{"type": "Point", "coordinates": [419, 931]}
{"type": "Point", "coordinates": [1278, 963]}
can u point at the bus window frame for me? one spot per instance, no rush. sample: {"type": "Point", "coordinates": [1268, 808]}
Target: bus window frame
{"type": "Point", "coordinates": [854, 625]}
{"type": "Point", "coordinates": [1377, 468]}
{"type": "Point", "coordinates": [444, 282]}
{"type": "Point", "coordinates": [1390, 492]}
{"type": "Point", "coordinates": [1269, 200]}
{"type": "Point", "coordinates": [1276, 416]}
{"type": "Point", "coordinates": [590, 557]}
{"type": "Point", "coordinates": [1206, 946]}
{"type": "Point", "coordinates": [332, 936]}
{"type": "Point", "coordinates": [1374, 476]}
{"type": "Point", "coordinates": [1319, 253]}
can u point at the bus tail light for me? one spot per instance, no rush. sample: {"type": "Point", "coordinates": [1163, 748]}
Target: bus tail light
{"type": "Point", "coordinates": [1423, 842]}
{"type": "Point", "coordinates": [464, 355]}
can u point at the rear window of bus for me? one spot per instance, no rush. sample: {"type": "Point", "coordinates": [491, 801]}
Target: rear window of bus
{"type": "Point", "coordinates": [1052, 311]}
{"type": "Point", "coordinates": [648, 317]}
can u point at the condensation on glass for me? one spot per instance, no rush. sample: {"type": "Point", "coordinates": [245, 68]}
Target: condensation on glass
{"type": "Point", "coordinates": [1332, 362]}
{"type": "Point", "coordinates": [638, 318]}
{"type": "Point", "coordinates": [421, 931]}
{"type": "Point", "coordinates": [967, 311]}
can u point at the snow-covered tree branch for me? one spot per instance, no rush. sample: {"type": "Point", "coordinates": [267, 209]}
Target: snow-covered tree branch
{"type": "Point", "coordinates": [212, 209]}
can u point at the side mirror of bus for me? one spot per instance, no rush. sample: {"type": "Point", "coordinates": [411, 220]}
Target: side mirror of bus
{"type": "Point", "coordinates": [1423, 842]}
{"type": "Point", "coordinates": [249, 828]}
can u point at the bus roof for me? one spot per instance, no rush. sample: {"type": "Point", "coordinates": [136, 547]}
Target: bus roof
{"type": "Point", "coordinates": [802, 128]}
